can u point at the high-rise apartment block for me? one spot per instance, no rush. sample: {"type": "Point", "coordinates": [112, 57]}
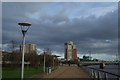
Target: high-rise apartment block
{"type": "Point", "coordinates": [70, 51]}
{"type": "Point", "coordinates": [28, 48]}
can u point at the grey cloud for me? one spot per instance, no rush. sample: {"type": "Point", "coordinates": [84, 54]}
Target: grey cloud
{"type": "Point", "coordinates": [47, 32]}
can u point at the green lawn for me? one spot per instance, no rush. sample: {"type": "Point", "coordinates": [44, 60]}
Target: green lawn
{"type": "Point", "coordinates": [15, 73]}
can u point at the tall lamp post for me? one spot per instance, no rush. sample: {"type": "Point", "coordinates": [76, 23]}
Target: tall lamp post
{"type": "Point", "coordinates": [90, 54]}
{"type": "Point", "coordinates": [54, 57]}
{"type": "Point", "coordinates": [44, 59]}
{"type": "Point", "coordinates": [24, 29]}
{"type": "Point", "coordinates": [53, 61]}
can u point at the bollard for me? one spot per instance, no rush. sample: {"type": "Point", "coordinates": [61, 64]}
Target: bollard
{"type": "Point", "coordinates": [49, 69]}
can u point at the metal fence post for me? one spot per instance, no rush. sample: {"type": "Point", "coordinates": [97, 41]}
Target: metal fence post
{"type": "Point", "coordinates": [118, 78]}
{"type": "Point", "coordinates": [92, 75]}
{"type": "Point", "coordinates": [99, 76]}
{"type": "Point", "coordinates": [106, 78]}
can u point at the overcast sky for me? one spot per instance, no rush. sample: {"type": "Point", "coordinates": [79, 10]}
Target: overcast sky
{"type": "Point", "coordinates": [92, 26]}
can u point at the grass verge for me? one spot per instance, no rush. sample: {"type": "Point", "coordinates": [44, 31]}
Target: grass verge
{"type": "Point", "coordinates": [16, 73]}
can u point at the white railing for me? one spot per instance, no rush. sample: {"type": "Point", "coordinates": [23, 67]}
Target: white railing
{"type": "Point", "coordinates": [100, 74]}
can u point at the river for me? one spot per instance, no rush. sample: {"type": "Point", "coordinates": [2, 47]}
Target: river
{"type": "Point", "coordinates": [115, 69]}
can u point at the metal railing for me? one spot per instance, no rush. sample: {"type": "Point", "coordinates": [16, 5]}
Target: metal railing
{"type": "Point", "coordinates": [100, 74]}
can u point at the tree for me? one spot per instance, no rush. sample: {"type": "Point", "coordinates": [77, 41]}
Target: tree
{"type": "Point", "coordinates": [33, 59]}
{"type": "Point", "coordinates": [11, 46]}
{"type": "Point", "coordinates": [12, 59]}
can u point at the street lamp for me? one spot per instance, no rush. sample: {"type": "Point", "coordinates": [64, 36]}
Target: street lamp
{"type": "Point", "coordinates": [24, 29]}
{"type": "Point", "coordinates": [54, 57]}
{"type": "Point", "coordinates": [53, 61]}
{"type": "Point", "coordinates": [44, 59]}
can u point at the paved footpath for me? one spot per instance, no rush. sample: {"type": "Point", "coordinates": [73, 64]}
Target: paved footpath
{"type": "Point", "coordinates": [66, 72]}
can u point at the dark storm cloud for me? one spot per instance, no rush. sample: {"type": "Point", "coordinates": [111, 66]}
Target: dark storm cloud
{"type": "Point", "coordinates": [98, 34]}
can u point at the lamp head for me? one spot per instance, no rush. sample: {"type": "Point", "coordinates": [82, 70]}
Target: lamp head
{"type": "Point", "coordinates": [24, 24]}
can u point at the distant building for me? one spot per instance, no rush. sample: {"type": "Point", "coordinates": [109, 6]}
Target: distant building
{"type": "Point", "coordinates": [70, 51]}
{"type": "Point", "coordinates": [95, 59]}
{"type": "Point", "coordinates": [74, 52]}
{"type": "Point", "coordinates": [28, 48]}
{"type": "Point", "coordinates": [86, 58]}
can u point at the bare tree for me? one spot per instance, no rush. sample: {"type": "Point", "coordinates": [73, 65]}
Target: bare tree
{"type": "Point", "coordinates": [33, 59]}
{"type": "Point", "coordinates": [48, 51]}
{"type": "Point", "coordinates": [11, 46]}
{"type": "Point", "coordinates": [11, 59]}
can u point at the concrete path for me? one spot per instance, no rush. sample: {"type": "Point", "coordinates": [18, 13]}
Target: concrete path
{"type": "Point", "coordinates": [66, 72]}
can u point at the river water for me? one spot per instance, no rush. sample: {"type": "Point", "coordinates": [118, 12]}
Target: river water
{"type": "Point", "coordinates": [115, 69]}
